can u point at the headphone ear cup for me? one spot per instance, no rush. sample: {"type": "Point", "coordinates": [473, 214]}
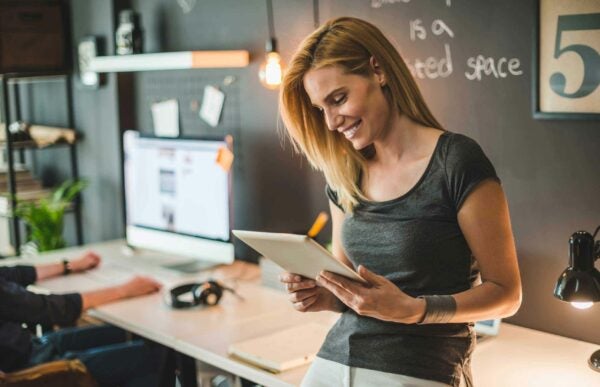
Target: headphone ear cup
{"type": "Point", "coordinates": [179, 291]}
{"type": "Point", "coordinates": [211, 293]}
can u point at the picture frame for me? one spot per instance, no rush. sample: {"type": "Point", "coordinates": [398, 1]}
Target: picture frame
{"type": "Point", "coordinates": [566, 60]}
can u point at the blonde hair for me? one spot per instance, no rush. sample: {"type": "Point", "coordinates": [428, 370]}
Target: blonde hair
{"type": "Point", "coordinates": [348, 43]}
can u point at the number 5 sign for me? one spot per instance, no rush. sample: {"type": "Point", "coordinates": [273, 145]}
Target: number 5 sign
{"type": "Point", "coordinates": [567, 84]}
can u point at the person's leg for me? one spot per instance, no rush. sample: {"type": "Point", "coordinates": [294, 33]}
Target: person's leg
{"type": "Point", "coordinates": [370, 378]}
{"type": "Point", "coordinates": [82, 338]}
{"type": "Point", "coordinates": [41, 352]}
{"type": "Point", "coordinates": [131, 364]}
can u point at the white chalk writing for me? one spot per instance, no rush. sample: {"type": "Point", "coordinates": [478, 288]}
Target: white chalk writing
{"type": "Point", "coordinates": [488, 66]}
{"type": "Point", "coordinates": [432, 67]}
{"type": "Point", "coordinates": [438, 27]}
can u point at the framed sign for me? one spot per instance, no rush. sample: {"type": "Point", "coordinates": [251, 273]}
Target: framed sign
{"type": "Point", "coordinates": [566, 82]}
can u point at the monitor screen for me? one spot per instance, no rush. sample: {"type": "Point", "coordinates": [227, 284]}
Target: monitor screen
{"type": "Point", "coordinates": [488, 327]}
{"type": "Point", "coordinates": [175, 188]}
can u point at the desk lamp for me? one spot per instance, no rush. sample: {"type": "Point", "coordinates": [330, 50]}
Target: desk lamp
{"type": "Point", "coordinates": [579, 284]}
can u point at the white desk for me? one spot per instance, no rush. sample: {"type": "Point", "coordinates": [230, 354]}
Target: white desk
{"type": "Point", "coordinates": [517, 357]}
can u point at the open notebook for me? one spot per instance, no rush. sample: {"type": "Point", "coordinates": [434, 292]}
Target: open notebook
{"type": "Point", "coordinates": [282, 350]}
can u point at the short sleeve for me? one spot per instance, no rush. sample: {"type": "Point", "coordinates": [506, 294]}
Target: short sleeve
{"type": "Point", "coordinates": [332, 195]}
{"type": "Point", "coordinates": [19, 305]}
{"type": "Point", "coordinates": [466, 166]}
{"type": "Point", "coordinates": [22, 275]}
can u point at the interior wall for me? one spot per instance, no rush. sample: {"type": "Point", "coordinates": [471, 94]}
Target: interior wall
{"type": "Point", "coordinates": [549, 169]}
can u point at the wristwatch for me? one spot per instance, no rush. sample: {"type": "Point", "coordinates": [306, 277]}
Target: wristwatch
{"type": "Point", "coordinates": [66, 267]}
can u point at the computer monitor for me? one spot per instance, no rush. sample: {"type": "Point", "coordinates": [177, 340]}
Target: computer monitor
{"type": "Point", "coordinates": [178, 196]}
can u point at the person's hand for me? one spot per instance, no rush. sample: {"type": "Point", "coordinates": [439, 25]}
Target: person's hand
{"type": "Point", "coordinates": [307, 296]}
{"type": "Point", "coordinates": [86, 261]}
{"type": "Point", "coordinates": [380, 298]}
{"type": "Point", "coordinates": [139, 286]}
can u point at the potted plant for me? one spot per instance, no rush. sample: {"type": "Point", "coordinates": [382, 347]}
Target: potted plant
{"type": "Point", "coordinates": [45, 217]}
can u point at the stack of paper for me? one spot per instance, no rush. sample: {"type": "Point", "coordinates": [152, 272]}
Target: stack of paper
{"type": "Point", "coordinates": [282, 350]}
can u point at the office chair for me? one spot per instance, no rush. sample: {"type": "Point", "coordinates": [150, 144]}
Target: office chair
{"type": "Point", "coordinates": [60, 373]}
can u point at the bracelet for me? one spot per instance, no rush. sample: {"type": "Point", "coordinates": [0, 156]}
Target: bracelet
{"type": "Point", "coordinates": [66, 267]}
{"type": "Point", "coordinates": [438, 309]}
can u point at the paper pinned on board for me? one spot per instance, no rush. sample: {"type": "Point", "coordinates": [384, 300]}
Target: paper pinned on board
{"type": "Point", "coordinates": [165, 116]}
{"type": "Point", "coordinates": [212, 105]}
{"type": "Point", "coordinates": [224, 158]}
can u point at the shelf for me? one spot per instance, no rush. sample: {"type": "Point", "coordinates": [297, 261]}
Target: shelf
{"type": "Point", "coordinates": [170, 61]}
{"type": "Point", "coordinates": [18, 145]}
{"type": "Point", "coordinates": [8, 214]}
{"type": "Point", "coordinates": [34, 76]}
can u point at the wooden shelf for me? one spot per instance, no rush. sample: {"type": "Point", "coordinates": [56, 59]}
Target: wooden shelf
{"type": "Point", "coordinates": [170, 61]}
{"type": "Point", "coordinates": [30, 144]}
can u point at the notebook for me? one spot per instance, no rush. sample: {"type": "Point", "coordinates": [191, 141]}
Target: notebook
{"type": "Point", "coordinates": [282, 350]}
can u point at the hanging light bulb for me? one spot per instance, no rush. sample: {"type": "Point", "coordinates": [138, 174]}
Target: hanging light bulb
{"type": "Point", "coordinates": [271, 69]}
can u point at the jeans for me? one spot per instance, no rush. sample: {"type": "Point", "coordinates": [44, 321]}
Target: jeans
{"type": "Point", "coordinates": [109, 358]}
{"type": "Point", "coordinates": [325, 373]}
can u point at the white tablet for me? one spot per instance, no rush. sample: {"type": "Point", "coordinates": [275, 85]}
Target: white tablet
{"type": "Point", "coordinates": [297, 254]}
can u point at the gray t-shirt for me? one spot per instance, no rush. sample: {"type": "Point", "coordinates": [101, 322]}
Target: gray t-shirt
{"type": "Point", "coordinates": [415, 242]}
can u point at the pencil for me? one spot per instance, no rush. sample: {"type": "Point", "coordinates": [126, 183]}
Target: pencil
{"type": "Point", "coordinates": [318, 225]}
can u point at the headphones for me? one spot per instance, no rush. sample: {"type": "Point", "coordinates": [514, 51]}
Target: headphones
{"type": "Point", "coordinates": [207, 293]}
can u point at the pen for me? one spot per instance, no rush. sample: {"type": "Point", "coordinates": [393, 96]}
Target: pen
{"type": "Point", "coordinates": [318, 225]}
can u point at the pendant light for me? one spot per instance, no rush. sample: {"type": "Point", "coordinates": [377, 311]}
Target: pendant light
{"type": "Point", "coordinates": [271, 70]}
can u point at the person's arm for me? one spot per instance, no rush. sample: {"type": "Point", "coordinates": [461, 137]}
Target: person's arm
{"type": "Point", "coordinates": [135, 287]}
{"type": "Point", "coordinates": [86, 261]}
{"type": "Point", "coordinates": [485, 222]}
{"type": "Point", "coordinates": [21, 274]}
{"type": "Point", "coordinates": [19, 305]}
{"type": "Point", "coordinates": [22, 306]}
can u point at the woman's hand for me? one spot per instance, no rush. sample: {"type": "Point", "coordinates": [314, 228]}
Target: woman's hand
{"type": "Point", "coordinates": [380, 298]}
{"type": "Point", "coordinates": [86, 261]}
{"type": "Point", "coordinates": [307, 296]}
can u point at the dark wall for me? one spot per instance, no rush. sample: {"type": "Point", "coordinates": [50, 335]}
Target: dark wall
{"type": "Point", "coordinates": [549, 169]}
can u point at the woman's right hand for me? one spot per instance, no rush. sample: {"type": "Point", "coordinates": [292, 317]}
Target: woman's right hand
{"type": "Point", "coordinates": [307, 296]}
{"type": "Point", "coordinates": [139, 286]}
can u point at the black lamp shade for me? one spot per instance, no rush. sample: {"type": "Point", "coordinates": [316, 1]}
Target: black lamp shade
{"type": "Point", "coordinates": [580, 282]}
{"type": "Point", "coordinates": [271, 45]}
{"type": "Point", "coordinates": [578, 286]}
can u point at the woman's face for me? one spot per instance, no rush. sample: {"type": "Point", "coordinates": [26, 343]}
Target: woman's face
{"type": "Point", "coordinates": [352, 105]}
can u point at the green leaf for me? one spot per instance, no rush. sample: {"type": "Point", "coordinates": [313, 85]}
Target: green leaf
{"type": "Point", "coordinates": [45, 217]}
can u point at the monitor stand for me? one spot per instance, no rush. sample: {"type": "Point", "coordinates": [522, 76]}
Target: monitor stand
{"type": "Point", "coordinates": [192, 266]}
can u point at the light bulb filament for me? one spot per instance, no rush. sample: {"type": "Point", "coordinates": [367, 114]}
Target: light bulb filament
{"type": "Point", "coordinates": [271, 70]}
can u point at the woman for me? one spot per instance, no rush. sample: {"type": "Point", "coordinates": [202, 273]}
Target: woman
{"type": "Point", "coordinates": [418, 210]}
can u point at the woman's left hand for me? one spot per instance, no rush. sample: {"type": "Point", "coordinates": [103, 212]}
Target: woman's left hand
{"type": "Point", "coordinates": [380, 298]}
{"type": "Point", "coordinates": [86, 261]}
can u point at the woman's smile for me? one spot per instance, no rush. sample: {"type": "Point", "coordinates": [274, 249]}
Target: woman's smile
{"type": "Point", "coordinates": [350, 132]}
